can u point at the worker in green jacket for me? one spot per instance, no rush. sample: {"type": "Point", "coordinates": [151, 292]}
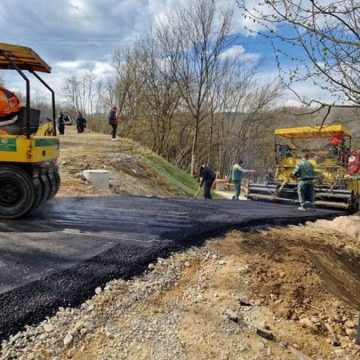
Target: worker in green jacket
{"type": "Point", "coordinates": [237, 174]}
{"type": "Point", "coordinates": [305, 173]}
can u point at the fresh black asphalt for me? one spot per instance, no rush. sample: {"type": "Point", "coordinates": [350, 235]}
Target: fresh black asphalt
{"type": "Point", "coordinates": [59, 255]}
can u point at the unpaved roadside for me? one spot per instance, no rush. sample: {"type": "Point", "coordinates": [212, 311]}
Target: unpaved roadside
{"type": "Point", "coordinates": [300, 283]}
{"type": "Point", "coordinates": [134, 169]}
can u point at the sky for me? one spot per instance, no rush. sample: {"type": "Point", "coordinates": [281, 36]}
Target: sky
{"type": "Point", "coordinates": [77, 35]}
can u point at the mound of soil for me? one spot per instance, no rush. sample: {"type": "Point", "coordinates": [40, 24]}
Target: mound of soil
{"type": "Point", "coordinates": [130, 172]}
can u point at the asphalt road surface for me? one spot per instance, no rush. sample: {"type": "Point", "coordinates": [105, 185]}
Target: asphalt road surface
{"type": "Point", "coordinates": [58, 256]}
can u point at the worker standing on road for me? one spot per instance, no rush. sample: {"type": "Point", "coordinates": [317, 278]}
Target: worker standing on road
{"type": "Point", "coordinates": [61, 124]}
{"type": "Point", "coordinates": [80, 123]}
{"type": "Point", "coordinates": [237, 174]}
{"type": "Point", "coordinates": [208, 177]}
{"type": "Point", "coordinates": [305, 173]}
{"type": "Point", "coordinates": [113, 121]}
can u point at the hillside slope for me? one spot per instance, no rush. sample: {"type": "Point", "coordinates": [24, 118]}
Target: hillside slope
{"type": "Point", "coordinates": [134, 169]}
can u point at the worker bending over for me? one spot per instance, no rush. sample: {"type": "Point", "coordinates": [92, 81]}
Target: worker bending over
{"type": "Point", "coordinates": [237, 174]}
{"type": "Point", "coordinates": [208, 177]}
{"type": "Point", "coordinates": [305, 173]}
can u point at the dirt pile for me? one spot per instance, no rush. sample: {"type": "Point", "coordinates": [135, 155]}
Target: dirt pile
{"type": "Point", "coordinates": [343, 225]}
{"type": "Point", "coordinates": [273, 294]}
{"type": "Point", "coordinates": [134, 170]}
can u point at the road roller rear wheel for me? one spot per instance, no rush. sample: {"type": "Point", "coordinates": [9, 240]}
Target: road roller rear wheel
{"type": "Point", "coordinates": [17, 192]}
{"type": "Point", "coordinates": [57, 179]}
{"type": "Point", "coordinates": [46, 187]}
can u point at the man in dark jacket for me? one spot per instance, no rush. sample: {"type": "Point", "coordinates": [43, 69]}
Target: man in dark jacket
{"type": "Point", "coordinates": [61, 124]}
{"type": "Point", "coordinates": [207, 179]}
{"type": "Point", "coordinates": [113, 121]}
{"type": "Point", "coordinates": [80, 123]}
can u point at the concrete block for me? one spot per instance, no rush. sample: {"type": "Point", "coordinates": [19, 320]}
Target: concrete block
{"type": "Point", "coordinates": [99, 178]}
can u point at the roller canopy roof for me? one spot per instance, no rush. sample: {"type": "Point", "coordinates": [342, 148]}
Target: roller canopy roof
{"type": "Point", "coordinates": [313, 131]}
{"type": "Point", "coordinates": [24, 57]}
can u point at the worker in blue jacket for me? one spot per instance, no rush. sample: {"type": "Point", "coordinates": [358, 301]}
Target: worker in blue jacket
{"type": "Point", "coordinates": [305, 173]}
{"type": "Point", "coordinates": [237, 174]}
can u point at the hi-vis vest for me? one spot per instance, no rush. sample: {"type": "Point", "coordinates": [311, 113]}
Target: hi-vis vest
{"type": "Point", "coordinates": [9, 103]}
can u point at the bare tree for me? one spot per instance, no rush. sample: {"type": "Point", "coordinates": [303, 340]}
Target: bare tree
{"type": "Point", "coordinates": [128, 91]}
{"type": "Point", "coordinates": [161, 93]}
{"type": "Point", "coordinates": [71, 91]}
{"type": "Point", "coordinates": [193, 40]}
{"type": "Point", "coordinates": [325, 40]}
{"type": "Point", "coordinates": [247, 110]}
{"type": "Point", "coordinates": [78, 90]}
{"type": "Point", "coordinates": [89, 80]}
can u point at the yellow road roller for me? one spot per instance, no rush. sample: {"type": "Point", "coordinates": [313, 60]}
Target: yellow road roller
{"type": "Point", "coordinates": [29, 147]}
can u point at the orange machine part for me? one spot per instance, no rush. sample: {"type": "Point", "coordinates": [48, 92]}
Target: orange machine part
{"type": "Point", "coordinates": [9, 103]}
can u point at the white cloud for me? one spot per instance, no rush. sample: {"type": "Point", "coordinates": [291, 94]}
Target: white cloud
{"type": "Point", "coordinates": [233, 52]}
{"type": "Point", "coordinates": [238, 51]}
{"type": "Point", "coordinates": [102, 68]}
{"type": "Point", "coordinates": [69, 64]}
{"type": "Point", "coordinates": [98, 67]}
{"type": "Point", "coordinates": [306, 90]}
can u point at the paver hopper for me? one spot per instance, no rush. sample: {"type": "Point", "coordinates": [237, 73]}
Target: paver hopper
{"type": "Point", "coordinates": [332, 157]}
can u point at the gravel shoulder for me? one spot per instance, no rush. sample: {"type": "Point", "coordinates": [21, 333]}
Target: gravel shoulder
{"type": "Point", "coordinates": [213, 302]}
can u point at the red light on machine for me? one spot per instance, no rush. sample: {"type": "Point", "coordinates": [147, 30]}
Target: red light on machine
{"type": "Point", "coordinates": [354, 163]}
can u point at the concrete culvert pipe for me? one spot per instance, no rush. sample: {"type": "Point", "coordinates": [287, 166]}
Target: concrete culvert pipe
{"type": "Point", "coordinates": [99, 178]}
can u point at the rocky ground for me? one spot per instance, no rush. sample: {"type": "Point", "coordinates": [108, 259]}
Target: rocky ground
{"type": "Point", "coordinates": [290, 293]}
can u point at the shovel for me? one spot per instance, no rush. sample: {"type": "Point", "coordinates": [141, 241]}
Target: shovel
{"type": "Point", "coordinates": [197, 192]}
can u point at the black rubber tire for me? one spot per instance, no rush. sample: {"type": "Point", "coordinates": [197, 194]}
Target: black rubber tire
{"type": "Point", "coordinates": [46, 187]}
{"type": "Point", "coordinates": [57, 179]}
{"type": "Point", "coordinates": [52, 181]}
{"type": "Point", "coordinates": [38, 192]}
{"type": "Point", "coordinates": [17, 192]}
